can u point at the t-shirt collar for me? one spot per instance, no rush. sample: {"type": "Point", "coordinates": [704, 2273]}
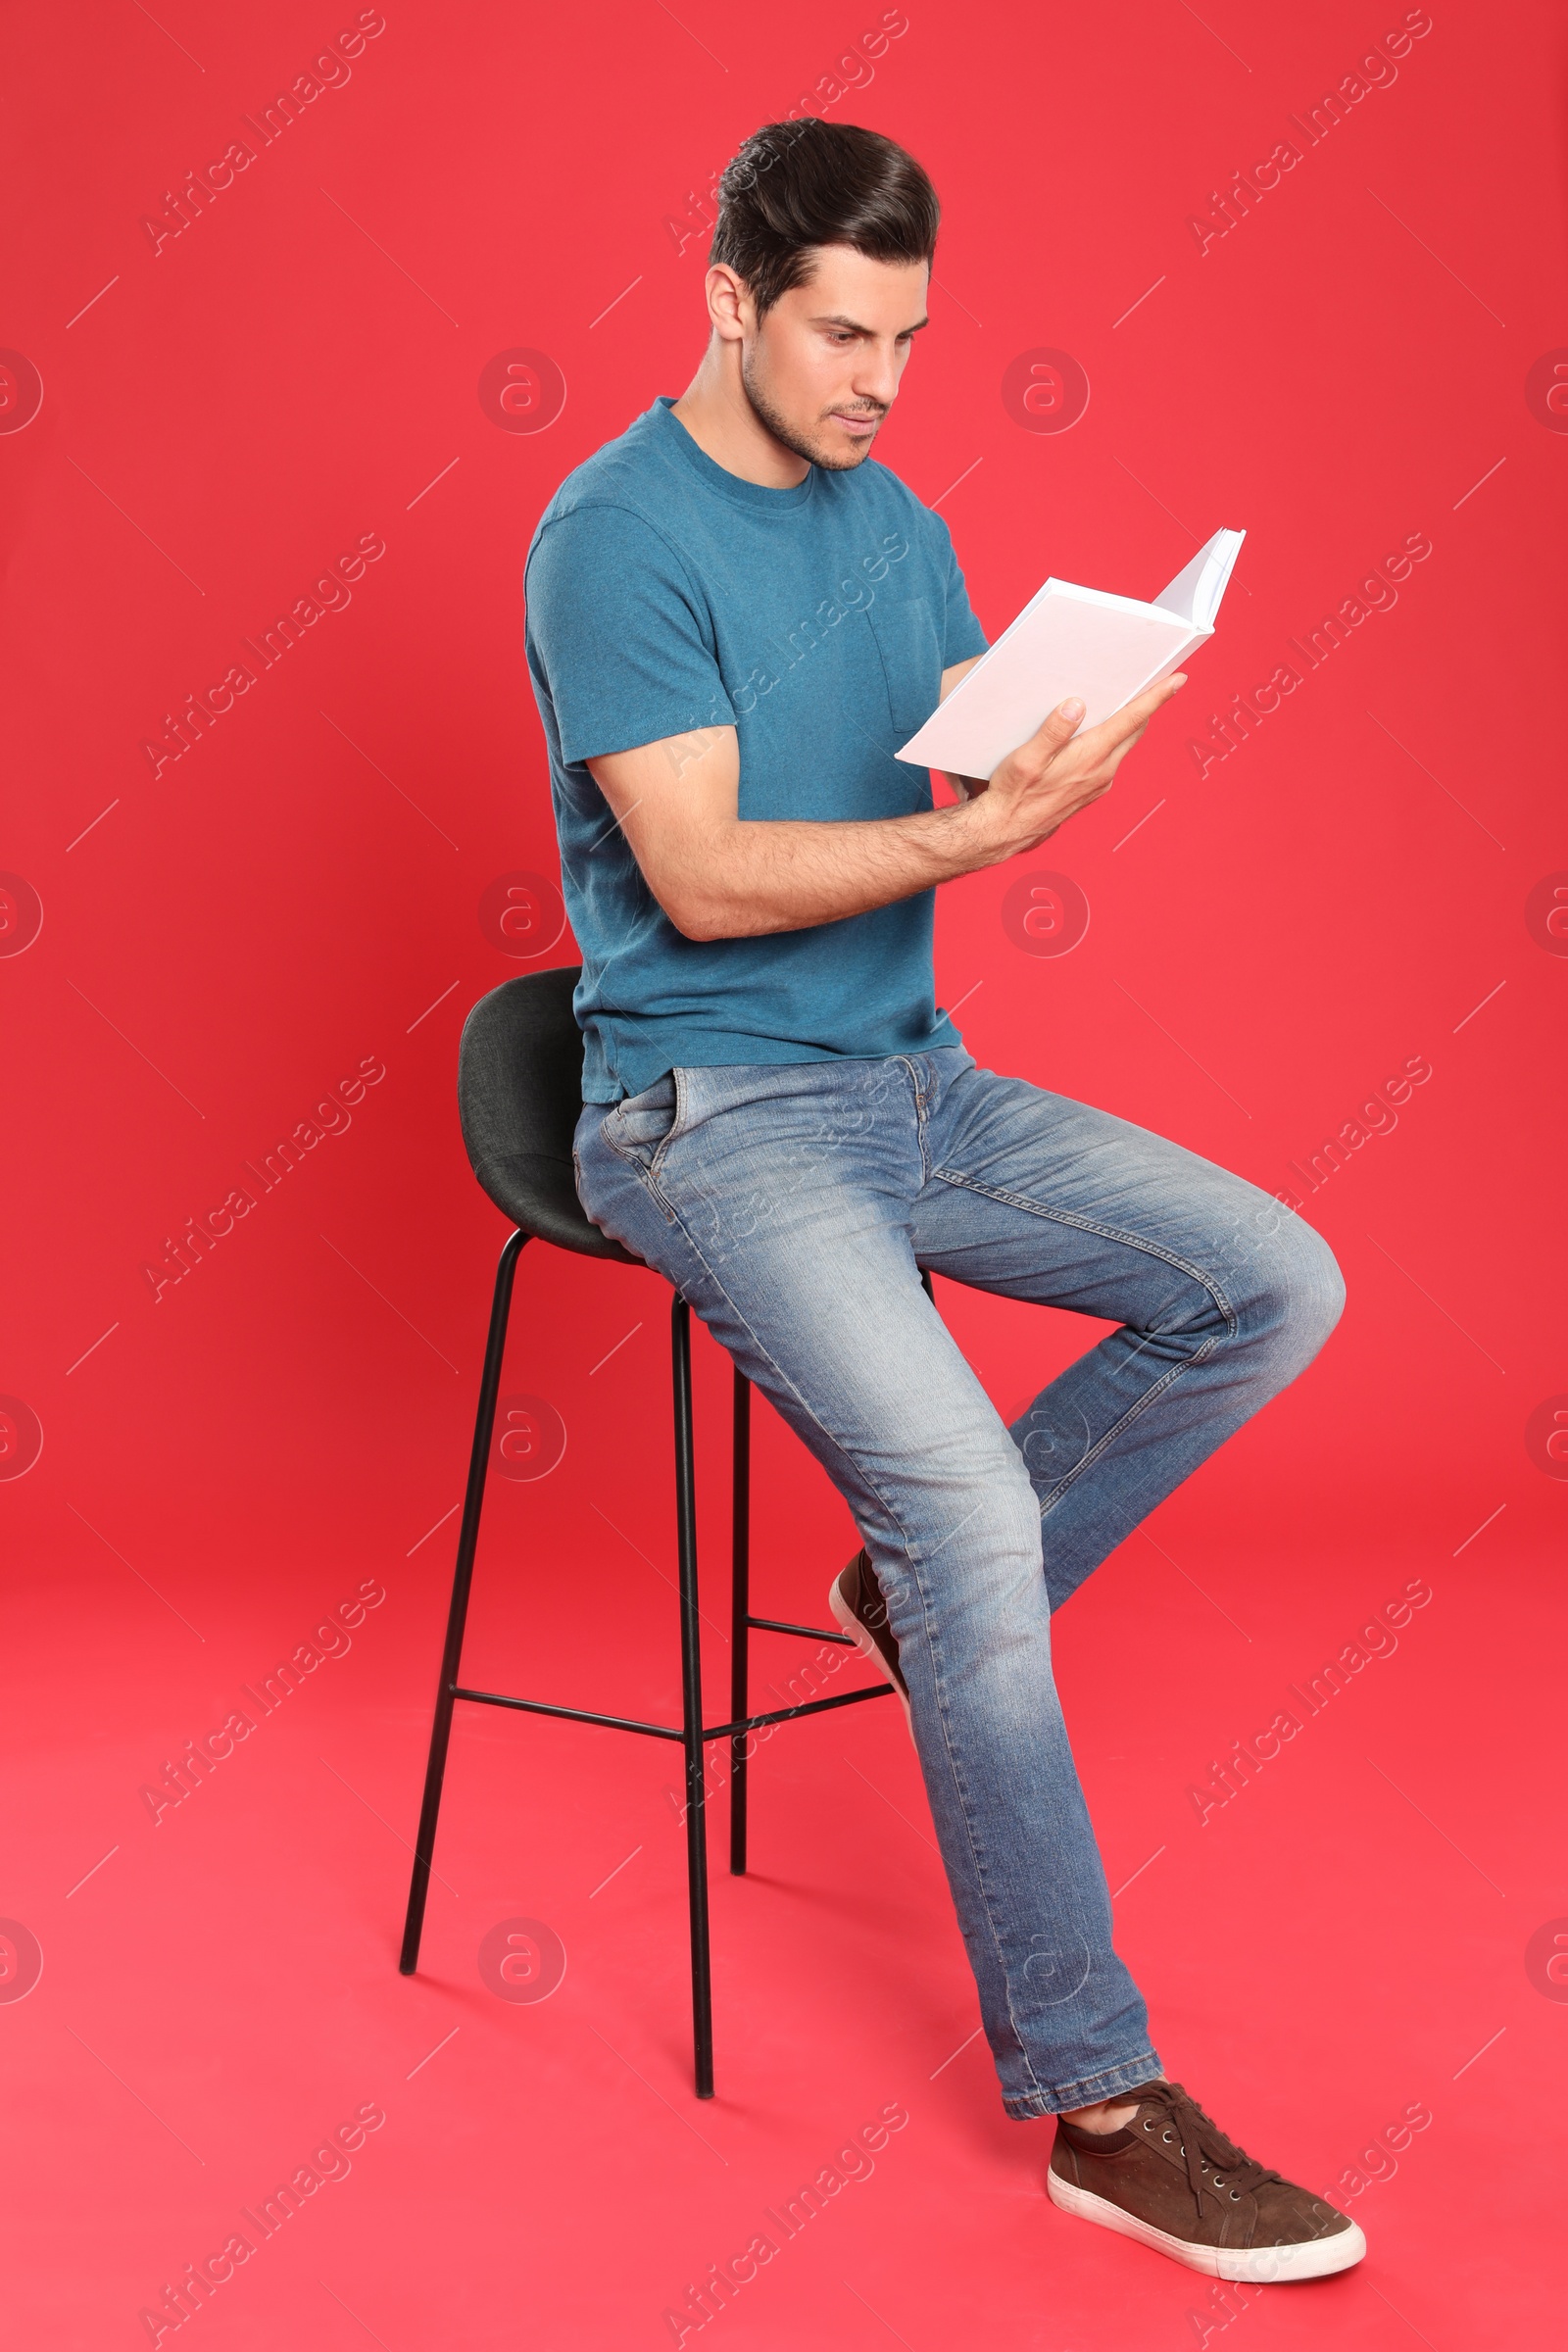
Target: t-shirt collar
{"type": "Point", "coordinates": [673, 435]}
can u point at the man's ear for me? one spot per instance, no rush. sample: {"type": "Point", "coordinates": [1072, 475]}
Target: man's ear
{"type": "Point", "coordinates": [728, 304]}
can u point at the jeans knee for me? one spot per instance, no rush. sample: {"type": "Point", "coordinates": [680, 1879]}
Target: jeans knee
{"type": "Point", "coordinates": [1300, 1293]}
{"type": "Point", "coordinates": [1333, 1284]}
{"type": "Point", "coordinates": [984, 1547]}
{"type": "Point", "coordinates": [997, 1514]}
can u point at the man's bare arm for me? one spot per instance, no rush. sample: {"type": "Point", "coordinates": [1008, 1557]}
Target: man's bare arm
{"type": "Point", "coordinates": [717, 878]}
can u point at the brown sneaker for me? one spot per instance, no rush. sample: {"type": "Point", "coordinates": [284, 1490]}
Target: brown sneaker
{"type": "Point", "coordinates": [855, 1600]}
{"type": "Point", "coordinates": [1174, 2181]}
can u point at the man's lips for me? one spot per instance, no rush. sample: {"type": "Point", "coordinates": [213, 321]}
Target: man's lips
{"type": "Point", "coordinates": [854, 420]}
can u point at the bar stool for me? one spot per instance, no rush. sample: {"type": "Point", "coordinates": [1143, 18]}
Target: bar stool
{"type": "Point", "coordinates": [520, 1090]}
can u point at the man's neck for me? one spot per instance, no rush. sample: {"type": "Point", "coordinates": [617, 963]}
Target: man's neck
{"type": "Point", "coordinates": [721, 421]}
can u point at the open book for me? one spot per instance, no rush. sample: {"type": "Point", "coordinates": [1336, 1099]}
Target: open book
{"type": "Point", "coordinates": [1066, 640]}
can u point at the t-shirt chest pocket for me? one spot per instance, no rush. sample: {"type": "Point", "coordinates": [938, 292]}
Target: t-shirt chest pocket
{"type": "Point", "coordinates": [911, 660]}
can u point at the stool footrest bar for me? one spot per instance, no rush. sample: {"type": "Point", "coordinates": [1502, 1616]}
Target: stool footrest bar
{"type": "Point", "coordinates": [812, 1632]}
{"type": "Point", "coordinates": [664, 1731]}
{"type": "Point", "coordinates": [539, 1706]}
{"type": "Point", "coordinates": [813, 1707]}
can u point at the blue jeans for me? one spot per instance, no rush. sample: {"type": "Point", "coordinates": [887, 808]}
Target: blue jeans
{"type": "Point", "coordinates": [794, 1206]}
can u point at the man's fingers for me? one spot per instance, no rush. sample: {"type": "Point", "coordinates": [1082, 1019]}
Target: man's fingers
{"type": "Point", "coordinates": [1124, 727]}
{"type": "Point", "coordinates": [1134, 716]}
{"type": "Point", "coordinates": [1143, 705]}
{"type": "Point", "coordinates": [1096, 745]}
{"type": "Point", "coordinates": [1059, 728]}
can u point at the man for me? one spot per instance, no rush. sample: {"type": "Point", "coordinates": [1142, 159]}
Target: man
{"type": "Point", "coordinates": [733, 623]}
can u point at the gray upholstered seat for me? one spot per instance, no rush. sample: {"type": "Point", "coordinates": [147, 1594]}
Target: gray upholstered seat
{"type": "Point", "coordinates": [519, 1094]}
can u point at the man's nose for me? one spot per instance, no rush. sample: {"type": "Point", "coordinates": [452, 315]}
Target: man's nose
{"type": "Point", "coordinates": [877, 377]}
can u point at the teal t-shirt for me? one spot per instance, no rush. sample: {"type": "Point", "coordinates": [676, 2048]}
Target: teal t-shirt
{"type": "Point", "coordinates": [665, 595]}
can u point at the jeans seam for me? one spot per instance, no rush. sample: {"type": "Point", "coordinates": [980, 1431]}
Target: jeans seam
{"type": "Point", "coordinates": [980, 1878]}
{"type": "Point", "coordinates": [904, 1064]}
{"type": "Point", "coordinates": [627, 1154]}
{"type": "Point", "coordinates": [1107, 1233]}
{"type": "Point", "coordinates": [682, 1112]}
{"type": "Point", "coordinates": [1089, 2089]}
{"type": "Point", "coordinates": [1131, 1240]}
{"type": "Point", "coordinates": [1133, 1412]}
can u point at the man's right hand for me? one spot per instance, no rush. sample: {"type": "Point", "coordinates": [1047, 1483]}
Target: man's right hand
{"type": "Point", "coordinates": [1060, 770]}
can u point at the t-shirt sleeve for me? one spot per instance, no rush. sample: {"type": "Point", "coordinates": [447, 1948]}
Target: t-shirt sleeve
{"type": "Point", "coordinates": [617, 638]}
{"type": "Point", "coordinates": [963, 637]}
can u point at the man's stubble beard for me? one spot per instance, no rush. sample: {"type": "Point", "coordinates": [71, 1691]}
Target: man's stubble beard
{"type": "Point", "coordinates": [782, 430]}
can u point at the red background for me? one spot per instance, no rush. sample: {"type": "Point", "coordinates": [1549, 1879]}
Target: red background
{"type": "Point", "coordinates": [222, 417]}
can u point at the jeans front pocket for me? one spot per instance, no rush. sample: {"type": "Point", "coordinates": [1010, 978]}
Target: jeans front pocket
{"type": "Point", "coordinates": [911, 660]}
{"type": "Point", "coordinates": [640, 1126]}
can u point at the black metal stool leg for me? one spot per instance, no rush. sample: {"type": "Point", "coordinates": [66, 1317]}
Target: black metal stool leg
{"type": "Point", "coordinates": [740, 1636]}
{"type": "Point", "coordinates": [440, 1734]}
{"type": "Point", "coordinates": [691, 1673]}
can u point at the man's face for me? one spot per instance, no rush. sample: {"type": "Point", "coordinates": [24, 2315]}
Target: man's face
{"type": "Point", "coordinates": [823, 368]}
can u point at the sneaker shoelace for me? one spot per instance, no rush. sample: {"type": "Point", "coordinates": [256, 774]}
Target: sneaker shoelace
{"type": "Point", "coordinates": [1206, 2147]}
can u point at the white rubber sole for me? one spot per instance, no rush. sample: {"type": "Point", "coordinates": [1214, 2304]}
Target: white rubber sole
{"type": "Point", "coordinates": [849, 1624]}
{"type": "Point", "coordinates": [1260, 2266]}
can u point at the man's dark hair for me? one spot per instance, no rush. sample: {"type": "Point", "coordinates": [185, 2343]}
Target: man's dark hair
{"type": "Point", "coordinates": [795, 185]}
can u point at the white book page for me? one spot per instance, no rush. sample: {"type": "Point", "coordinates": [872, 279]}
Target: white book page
{"type": "Point", "coordinates": [1071, 640]}
{"type": "Point", "coordinates": [1194, 594]}
{"type": "Point", "coordinates": [1067, 641]}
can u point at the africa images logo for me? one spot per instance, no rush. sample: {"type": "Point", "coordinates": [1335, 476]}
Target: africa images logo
{"type": "Point", "coordinates": [21, 1438]}
{"type": "Point", "coordinates": [522, 1960]}
{"type": "Point", "coordinates": [20, 391]}
{"type": "Point", "coordinates": [21, 914]}
{"type": "Point", "coordinates": [20, 1960]}
{"type": "Point", "coordinates": [1045, 913]}
{"type": "Point", "coordinates": [521, 390]}
{"type": "Point", "coordinates": [1045, 391]}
